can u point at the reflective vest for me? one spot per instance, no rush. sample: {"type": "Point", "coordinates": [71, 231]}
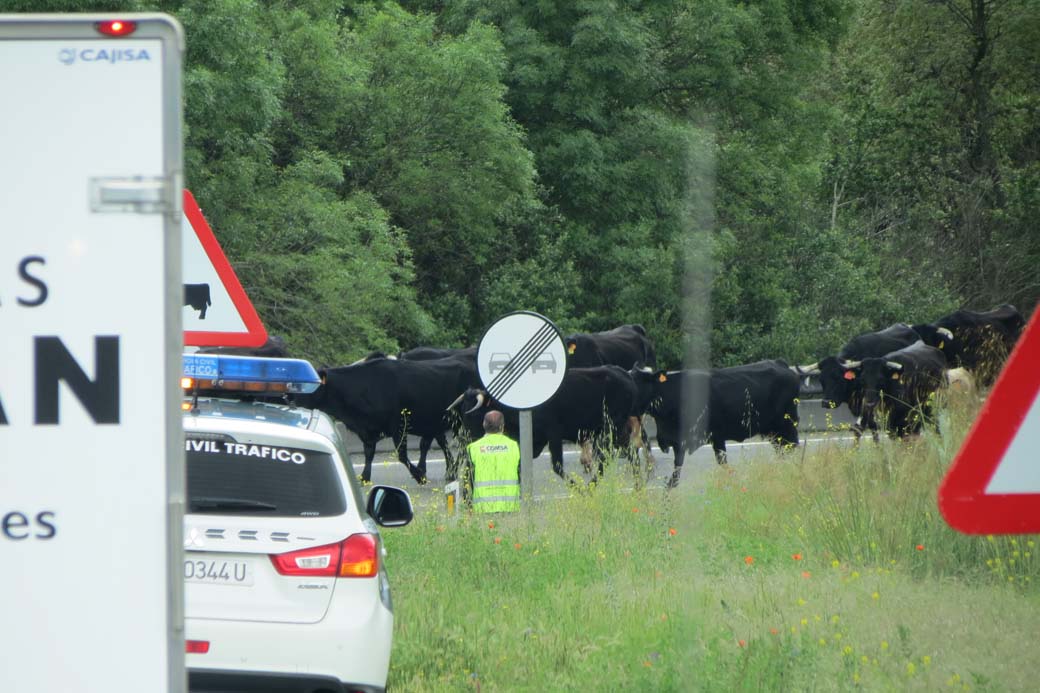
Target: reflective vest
{"type": "Point", "coordinates": [496, 474]}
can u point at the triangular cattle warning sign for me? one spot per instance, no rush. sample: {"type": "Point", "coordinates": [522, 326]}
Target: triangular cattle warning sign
{"type": "Point", "coordinates": [217, 311]}
{"type": "Point", "coordinates": [993, 485]}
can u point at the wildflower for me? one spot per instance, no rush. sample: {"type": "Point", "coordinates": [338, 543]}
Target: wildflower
{"type": "Point", "coordinates": [847, 651]}
{"type": "Point", "coordinates": [742, 643]}
{"type": "Point", "coordinates": [865, 659]}
{"type": "Point", "coordinates": [855, 677]}
{"type": "Point", "coordinates": [794, 629]}
{"type": "Point", "coordinates": [516, 546]}
{"type": "Point", "coordinates": [855, 575]}
{"type": "Point", "coordinates": [491, 524]}
{"type": "Point", "coordinates": [806, 574]}
{"type": "Point", "coordinates": [648, 663]}
{"type": "Point", "coordinates": [837, 636]}
{"type": "Point", "coordinates": [822, 641]}
{"type": "Point", "coordinates": [801, 602]}
{"type": "Point", "coordinates": [876, 595]}
{"type": "Point", "coordinates": [834, 618]}
{"type": "Point", "coordinates": [774, 631]}
{"type": "Point", "coordinates": [672, 531]}
{"type": "Point", "coordinates": [989, 538]}
{"type": "Point", "coordinates": [920, 547]}
{"type": "Point", "coordinates": [911, 668]}
{"type": "Point", "coordinates": [805, 621]}
{"type": "Point", "coordinates": [796, 556]}
{"type": "Point", "coordinates": [743, 489]}
{"type": "Point", "coordinates": [664, 617]}
{"type": "Point", "coordinates": [926, 660]}
{"type": "Point", "coordinates": [749, 559]}
{"type": "Point", "coordinates": [884, 644]}
{"type": "Point", "coordinates": [635, 510]}
{"type": "Point", "coordinates": [835, 563]}
{"type": "Point", "coordinates": [498, 540]}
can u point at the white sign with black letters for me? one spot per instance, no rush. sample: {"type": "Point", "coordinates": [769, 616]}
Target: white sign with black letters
{"type": "Point", "coordinates": [91, 451]}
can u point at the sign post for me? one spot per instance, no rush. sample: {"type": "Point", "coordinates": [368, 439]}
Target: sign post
{"type": "Point", "coordinates": [91, 446]}
{"type": "Point", "coordinates": [993, 485]}
{"type": "Point", "coordinates": [521, 360]}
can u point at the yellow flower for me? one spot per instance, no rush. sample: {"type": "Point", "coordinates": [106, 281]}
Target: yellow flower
{"type": "Point", "coordinates": [848, 649]}
{"type": "Point", "coordinates": [816, 617]}
{"type": "Point", "coordinates": [884, 644]}
{"type": "Point", "coordinates": [910, 668]}
{"type": "Point", "coordinates": [865, 659]}
{"type": "Point", "coordinates": [801, 602]}
{"type": "Point", "coordinates": [834, 618]}
{"type": "Point", "coordinates": [822, 641]}
{"type": "Point", "coordinates": [794, 629]}
{"type": "Point", "coordinates": [876, 596]}
{"type": "Point", "coordinates": [835, 563]}
{"type": "Point", "coordinates": [837, 636]}
{"type": "Point", "coordinates": [855, 574]}
{"type": "Point", "coordinates": [926, 660]}
{"type": "Point", "coordinates": [855, 677]}
{"type": "Point", "coordinates": [989, 538]}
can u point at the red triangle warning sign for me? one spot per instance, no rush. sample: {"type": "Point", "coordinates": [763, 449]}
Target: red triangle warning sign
{"type": "Point", "coordinates": [217, 311]}
{"type": "Point", "coordinates": [993, 485]}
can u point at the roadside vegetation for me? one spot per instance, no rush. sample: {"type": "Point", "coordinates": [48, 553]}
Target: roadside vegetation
{"type": "Point", "coordinates": [830, 570]}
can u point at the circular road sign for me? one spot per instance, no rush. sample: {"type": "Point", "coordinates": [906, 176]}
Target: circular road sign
{"type": "Point", "coordinates": [521, 360]}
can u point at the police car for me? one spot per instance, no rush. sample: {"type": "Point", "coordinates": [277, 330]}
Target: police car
{"type": "Point", "coordinates": [285, 587]}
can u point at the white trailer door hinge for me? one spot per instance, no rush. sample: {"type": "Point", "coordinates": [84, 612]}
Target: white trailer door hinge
{"type": "Point", "coordinates": [137, 194]}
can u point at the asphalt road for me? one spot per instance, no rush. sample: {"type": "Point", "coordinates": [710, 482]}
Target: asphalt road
{"type": "Point", "coordinates": [387, 470]}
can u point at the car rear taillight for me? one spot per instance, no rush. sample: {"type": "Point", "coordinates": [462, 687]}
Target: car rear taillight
{"type": "Point", "coordinates": [355, 556]}
{"type": "Point", "coordinates": [196, 646]}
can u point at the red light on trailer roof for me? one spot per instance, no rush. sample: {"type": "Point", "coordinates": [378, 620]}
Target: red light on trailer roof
{"type": "Point", "coordinates": [116, 27]}
{"type": "Point", "coordinates": [196, 646]}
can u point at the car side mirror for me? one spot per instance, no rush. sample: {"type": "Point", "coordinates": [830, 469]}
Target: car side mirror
{"type": "Point", "coordinates": [389, 506]}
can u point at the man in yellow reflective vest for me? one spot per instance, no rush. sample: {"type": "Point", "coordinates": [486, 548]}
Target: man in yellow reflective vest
{"type": "Point", "coordinates": [496, 468]}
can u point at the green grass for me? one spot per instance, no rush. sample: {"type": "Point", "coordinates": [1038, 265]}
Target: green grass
{"type": "Point", "coordinates": [825, 571]}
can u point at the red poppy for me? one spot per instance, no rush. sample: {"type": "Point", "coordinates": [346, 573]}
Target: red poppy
{"type": "Point", "coordinates": [796, 556]}
{"type": "Point", "coordinates": [749, 559]}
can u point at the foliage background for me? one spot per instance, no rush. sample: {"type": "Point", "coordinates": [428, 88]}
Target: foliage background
{"type": "Point", "coordinates": [384, 174]}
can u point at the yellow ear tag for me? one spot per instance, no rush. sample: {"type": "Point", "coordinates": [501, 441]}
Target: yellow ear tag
{"type": "Point", "coordinates": [662, 378]}
{"type": "Point", "coordinates": [571, 348]}
{"type": "Point", "coordinates": [895, 376]}
{"type": "Point", "coordinates": [941, 344]}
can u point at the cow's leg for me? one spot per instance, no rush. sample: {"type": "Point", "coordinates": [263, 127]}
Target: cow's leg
{"type": "Point", "coordinates": [720, 451]}
{"type": "Point", "coordinates": [425, 443]}
{"type": "Point", "coordinates": [401, 443]}
{"type": "Point", "coordinates": [370, 454]}
{"type": "Point", "coordinates": [680, 457]}
{"type": "Point", "coordinates": [556, 453]}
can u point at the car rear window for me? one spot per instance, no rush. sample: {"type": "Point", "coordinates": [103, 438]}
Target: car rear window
{"type": "Point", "coordinates": [227, 477]}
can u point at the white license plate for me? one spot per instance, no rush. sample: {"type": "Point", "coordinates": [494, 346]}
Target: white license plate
{"type": "Point", "coordinates": [218, 572]}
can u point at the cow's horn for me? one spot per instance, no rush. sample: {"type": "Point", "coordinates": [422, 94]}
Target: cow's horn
{"type": "Point", "coordinates": [811, 369]}
{"type": "Point", "coordinates": [944, 332]}
{"type": "Point", "coordinates": [478, 405]}
{"type": "Point", "coordinates": [457, 402]}
{"type": "Point", "coordinates": [851, 364]}
{"type": "Point", "coordinates": [894, 365]}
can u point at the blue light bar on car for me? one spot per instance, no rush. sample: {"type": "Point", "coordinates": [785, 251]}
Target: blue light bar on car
{"type": "Point", "coordinates": [248, 374]}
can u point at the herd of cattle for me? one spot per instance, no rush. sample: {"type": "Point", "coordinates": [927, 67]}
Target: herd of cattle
{"type": "Point", "coordinates": [612, 381]}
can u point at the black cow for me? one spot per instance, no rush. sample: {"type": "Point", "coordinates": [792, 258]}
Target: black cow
{"type": "Point", "coordinates": [694, 407]}
{"type": "Point", "coordinates": [624, 346]}
{"type": "Point", "coordinates": [428, 353]}
{"type": "Point", "coordinates": [590, 402]}
{"type": "Point", "coordinates": [197, 296]}
{"type": "Point", "coordinates": [836, 380]}
{"type": "Point", "coordinates": [380, 397]}
{"type": "Point", "coordinates": [274, 347]}
{"type": "Point", "coordinates": [900, 384]}
{"type": "Point", "coordinates": [981, 341]}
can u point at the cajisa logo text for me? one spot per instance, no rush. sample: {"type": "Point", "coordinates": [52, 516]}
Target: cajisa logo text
{"type": "Point", "coordinates": [103, 55]}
